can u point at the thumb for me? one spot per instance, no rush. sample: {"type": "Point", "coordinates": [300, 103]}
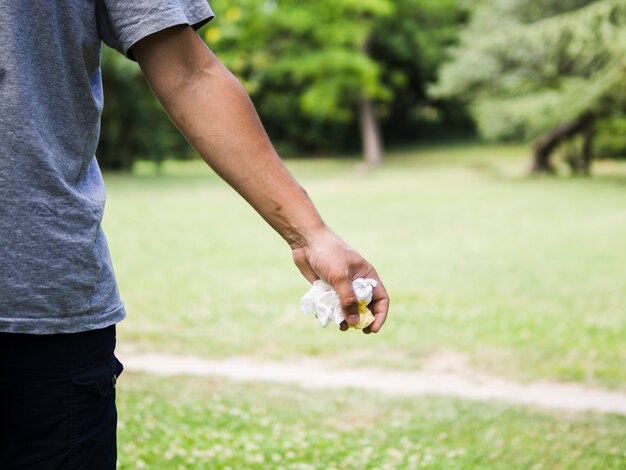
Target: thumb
{"type": "Point", "coordinates": [348, 301]}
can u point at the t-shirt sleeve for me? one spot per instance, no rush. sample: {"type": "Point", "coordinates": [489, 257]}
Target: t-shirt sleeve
{"type": "Point", "coordinates": [121, 23]}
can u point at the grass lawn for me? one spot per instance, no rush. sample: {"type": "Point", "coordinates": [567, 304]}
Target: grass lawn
{"type": "Point", "coordinates": [187, 423]}
{"type": "Point", "coordinates": [526, 276]}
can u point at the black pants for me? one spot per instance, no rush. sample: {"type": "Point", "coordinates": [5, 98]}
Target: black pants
{"type": "Point", "coordinates": [57, 401]}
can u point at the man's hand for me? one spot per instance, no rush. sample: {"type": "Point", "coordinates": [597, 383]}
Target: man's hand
{"type": "Point", "coordinates": [214, 112]}
{"type": "Point", "coordinates": [327, 257]}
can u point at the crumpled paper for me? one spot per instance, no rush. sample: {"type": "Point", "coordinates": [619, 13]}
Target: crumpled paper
{"type": "Point", "coordinates": [323, 301]}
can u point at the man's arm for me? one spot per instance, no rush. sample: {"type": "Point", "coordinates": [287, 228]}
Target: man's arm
{"type": "Point", "coordinates": [214, 112]}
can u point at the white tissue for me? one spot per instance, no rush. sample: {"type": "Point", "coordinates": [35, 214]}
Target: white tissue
{"type": "Point", "coordinates": [323, 301]}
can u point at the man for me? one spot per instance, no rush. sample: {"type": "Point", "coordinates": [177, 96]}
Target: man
{"type": "Point", "coordinates": [58, 299]}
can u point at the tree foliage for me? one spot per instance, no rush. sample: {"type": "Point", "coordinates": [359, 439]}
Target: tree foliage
{"type": "Point", "coordinates": [410, 47]}
{"type": "Point", "coordinates": [527, 66]}
{"type": "Point", "coordinates": [308, 65]}
{"type": "Point", "coordinates": [307, 62]}
{"type": "Point", "coordinates": [303, 62]}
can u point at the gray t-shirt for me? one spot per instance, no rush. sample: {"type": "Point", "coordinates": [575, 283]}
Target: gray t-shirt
{"type": "Point", "coordinates": [55, 269]}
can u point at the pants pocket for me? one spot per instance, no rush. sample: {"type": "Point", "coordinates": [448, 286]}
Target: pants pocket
{"type": "Point", "coordinates": [94, 415]}
{"type": "Point", "coordinates": [100, 378]}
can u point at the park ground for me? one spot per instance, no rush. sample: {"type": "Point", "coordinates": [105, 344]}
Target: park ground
{"type": "Point", "coordinates": [522, 277]}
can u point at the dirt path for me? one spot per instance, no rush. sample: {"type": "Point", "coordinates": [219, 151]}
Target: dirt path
{"type": "Point", "coordinates": [447, 377]}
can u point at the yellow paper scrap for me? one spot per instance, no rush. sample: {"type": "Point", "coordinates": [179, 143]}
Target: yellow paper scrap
{"type": "Point", "coordinates": [366, 317]}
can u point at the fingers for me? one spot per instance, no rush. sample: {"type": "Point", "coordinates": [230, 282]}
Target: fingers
{"type": "Point", "coordinates": [379, 307]}
{"type": "Point", "coordinates": [348, 300]}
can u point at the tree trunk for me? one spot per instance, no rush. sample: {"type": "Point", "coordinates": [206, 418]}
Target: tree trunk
{"type": "Point", "coordinates": [546, 145]}
{"type": "Point", "coordinates": [587, 152]}
{"type": "Point", "coordinates": [370, 132]}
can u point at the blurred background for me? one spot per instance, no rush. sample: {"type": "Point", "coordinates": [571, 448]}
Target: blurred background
{"type": "Point", "coordinates": [325, 77]}
{"type": "Point", "coordinates": [473, 151]}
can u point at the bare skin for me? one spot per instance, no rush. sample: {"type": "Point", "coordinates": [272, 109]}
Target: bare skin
{"type": "Point", "coordinates": [214, 112]}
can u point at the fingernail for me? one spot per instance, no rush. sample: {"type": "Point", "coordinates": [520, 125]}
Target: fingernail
{"type": "Point", "coordinates": [353, 319]}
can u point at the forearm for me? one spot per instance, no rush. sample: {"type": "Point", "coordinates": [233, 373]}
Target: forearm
{"type": "Point", "coordinates": [214, 112]}
{"type": "Point", "coordinates": [211, 108]}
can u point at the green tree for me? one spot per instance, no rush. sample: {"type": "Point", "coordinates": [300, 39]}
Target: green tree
{"type": "Point", "coordinates": [410, 46]}
{"type": "Point", "coordinates": [321, 73]}
{"type": "Point", "coordinates": [317, 65]}
{"type": "Point", "coordinates": [542, 69]}
{"type": "Point", "coordinates": [306, 57]}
